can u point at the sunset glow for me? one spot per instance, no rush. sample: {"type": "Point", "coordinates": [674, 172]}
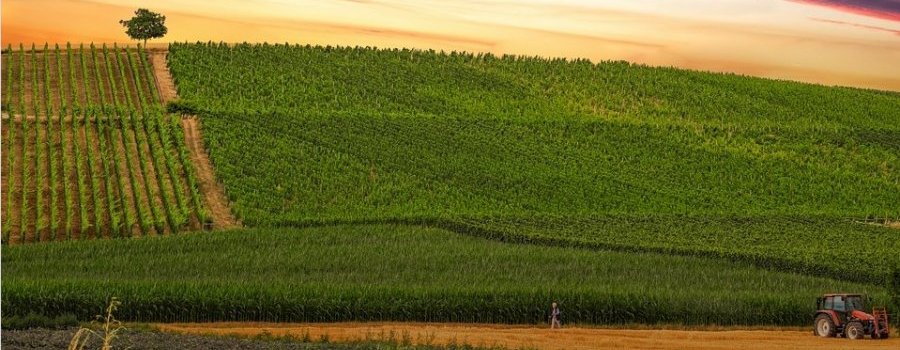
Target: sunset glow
{"type": "Point", "coordinates": [842, 42]}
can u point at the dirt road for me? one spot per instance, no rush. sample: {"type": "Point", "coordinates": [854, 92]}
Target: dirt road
{"type": "Point", "coordinates": [213, 194]}
{"type": "Point", "coordinates": [530, 337]}
{"type": "Point", "coordinates": [163, 77]}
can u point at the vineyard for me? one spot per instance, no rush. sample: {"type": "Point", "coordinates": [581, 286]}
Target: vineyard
{"type": "Point", "coordinates": [87, 149]}
{"type": "Point", "coordinates": [609, 155]}
{"type": "Point", "coordinates": [423, 186]}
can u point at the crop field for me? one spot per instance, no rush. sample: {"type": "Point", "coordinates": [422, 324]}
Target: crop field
{"type": "Point", "coordinates": [609, 155]}
{"type": "Point", "coordinates": [87, 150]}
{"type": "Point", "coordinates": [405, 185]}
{"type": "Point", "coordinates": [400, 273]}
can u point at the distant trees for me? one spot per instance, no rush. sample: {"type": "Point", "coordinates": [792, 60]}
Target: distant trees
{"type": "Point", "coordinates": [145, 25]}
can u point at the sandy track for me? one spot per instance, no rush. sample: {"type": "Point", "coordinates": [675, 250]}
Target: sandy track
{"type": "Point", "coordinates": [516, 337]}
{"type": "Point", "coordinates": [163, 78]}
{"type": "Point", "coordinates": [213, 194]}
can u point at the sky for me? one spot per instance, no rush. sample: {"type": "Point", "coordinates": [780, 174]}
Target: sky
{"type": "Point", "coordinates": [832, 42]}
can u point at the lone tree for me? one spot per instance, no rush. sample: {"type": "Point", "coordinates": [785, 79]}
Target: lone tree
{"type": "Point", "coordinates": [145, 25]}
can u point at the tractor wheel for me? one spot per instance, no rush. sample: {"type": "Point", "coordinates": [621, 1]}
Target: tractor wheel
{"type": "Point", "coordinates": [855, 330]}
{"type": "Point", "coordinates": [824, 326]}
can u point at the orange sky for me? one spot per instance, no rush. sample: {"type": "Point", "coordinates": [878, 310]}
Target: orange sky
{"type": "Point", "coordinates": [809, 40]}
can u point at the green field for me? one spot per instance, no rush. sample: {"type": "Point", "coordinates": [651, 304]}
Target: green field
{"type": "Point", "coordinates": [610, 154]}
{"type": "Point", "coordinates": [88, 151]}
{"type": "Point", "coordinates": [389, 272]}
{"type": "Point", "coordinates": [416, 185]}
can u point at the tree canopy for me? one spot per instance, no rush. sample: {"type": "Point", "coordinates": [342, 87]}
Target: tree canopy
{"type": "Point", "coordinates": [145, 25]}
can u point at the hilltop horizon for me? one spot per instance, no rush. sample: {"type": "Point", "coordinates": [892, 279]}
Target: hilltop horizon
{"type": "Point", "coordinates": [846, 43]}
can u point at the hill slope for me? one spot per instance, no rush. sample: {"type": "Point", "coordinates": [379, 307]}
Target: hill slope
{"type": "Point", "coordinates": [525, 148]}
{"type": "Point", "coordinates": [87, 148]}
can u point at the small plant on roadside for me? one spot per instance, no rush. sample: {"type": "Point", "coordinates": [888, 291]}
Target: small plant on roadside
{"type": "Point", "coordinates": [111, 328]}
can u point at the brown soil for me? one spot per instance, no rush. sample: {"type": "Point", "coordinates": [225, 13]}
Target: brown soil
{"type": "Point", "coordinates": [213, 194]}
{"type": "Point", "coordinates": [517, 337]}
{"type": "Point", "coordinates": [164, 81]}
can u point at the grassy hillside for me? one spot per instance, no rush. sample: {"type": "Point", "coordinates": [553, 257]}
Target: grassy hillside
{"type": "Point", "coordinates": [756, 170]}
{"type": "Point", "coordinates": [384, 272]}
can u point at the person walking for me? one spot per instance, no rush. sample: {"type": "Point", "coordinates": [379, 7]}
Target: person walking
{"type": "Point", "coordinates": [554, 316]}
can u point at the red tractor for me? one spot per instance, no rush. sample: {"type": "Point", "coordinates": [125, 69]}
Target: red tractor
{"type": "Point", "coordinates": [844, 315]}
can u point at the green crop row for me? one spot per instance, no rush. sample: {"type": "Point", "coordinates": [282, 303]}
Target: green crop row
{"type": "Point", "coordinates": [294, 134]}
{"type": "Point", "coordinates": [85, 157]}
{"type": "Point", "coordinates": [107, 184]}
{"type": "Point", "coordinates": [292, 78]}
{"type": "Point", "coordinates": [400, 273]}
{"type": "Point", "coordinates": [607, 155]}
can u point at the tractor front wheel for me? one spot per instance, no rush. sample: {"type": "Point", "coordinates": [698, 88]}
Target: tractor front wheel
{"type": "Point", "coordinates": [824, 326]}
{"type": "Point", "coordinates": [855, 330]}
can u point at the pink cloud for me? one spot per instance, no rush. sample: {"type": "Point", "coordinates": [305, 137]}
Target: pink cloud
{"type": "Point", "coordinates": [883, 9]}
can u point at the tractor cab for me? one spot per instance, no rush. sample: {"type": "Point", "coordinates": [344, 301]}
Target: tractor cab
{"type": "Point", "coordinates": [845, 315]}
{"type": "Point", "coordinates": [843, 304]}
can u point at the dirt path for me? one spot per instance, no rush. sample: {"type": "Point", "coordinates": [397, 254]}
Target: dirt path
{"type": "Point", "coordinates": [213, 194]}
{"type": "Point", "coordinates": [516, 337]}
{"type": "Point", "coordinates": [164, 81]}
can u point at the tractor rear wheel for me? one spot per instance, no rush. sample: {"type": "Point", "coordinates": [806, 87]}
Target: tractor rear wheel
{"type": "Point", "coordinates": [824, 326]}
{"type": "Point", "coordinates": [855, 330]}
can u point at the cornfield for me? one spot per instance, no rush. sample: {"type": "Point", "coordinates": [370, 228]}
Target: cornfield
{"type": "Point", "coordinates": [396, 273]}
